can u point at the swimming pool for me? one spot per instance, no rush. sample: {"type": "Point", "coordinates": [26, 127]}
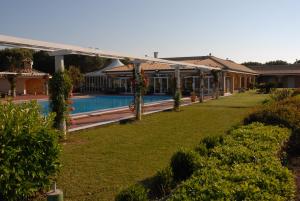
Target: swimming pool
{"type": "Point", "coordinates": [93, 103]}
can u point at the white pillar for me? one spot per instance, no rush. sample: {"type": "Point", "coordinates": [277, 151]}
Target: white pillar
{"type": "Point", "coordinates": [59, 63]}
{"type": "Point", "coordinates": [232, 84]}
{"type": "Point", "coordinates": [201, 89]}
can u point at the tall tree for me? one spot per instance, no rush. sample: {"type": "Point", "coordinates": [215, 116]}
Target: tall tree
{"type": "Point", "coordinates": [12, 58]}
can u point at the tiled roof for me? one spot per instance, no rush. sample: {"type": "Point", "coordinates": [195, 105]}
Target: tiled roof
{"type": "Point", "coordinates": [216, 62]}
{"type": "Point", "coordinates": [198, 60]}
{"type": "Point", "coordinates": [277, 69]}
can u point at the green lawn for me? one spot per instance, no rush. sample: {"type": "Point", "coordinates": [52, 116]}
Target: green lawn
{"type": "Point", "coordinates": [97, 163]}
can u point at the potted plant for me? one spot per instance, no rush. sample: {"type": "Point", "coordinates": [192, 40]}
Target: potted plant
{"type": "Point", "coordinates": [193, 96]}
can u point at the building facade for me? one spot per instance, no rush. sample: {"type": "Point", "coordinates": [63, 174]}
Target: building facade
{"type": "Point", "coordinates": [284, 76]}
{"type": "Point", "coordinates": [27, 80]}
{"type": "Point", "coordinates": [117, 77]}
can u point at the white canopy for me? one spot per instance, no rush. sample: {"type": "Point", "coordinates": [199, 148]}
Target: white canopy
{"type": "Point", "coordinates": [115, 63]}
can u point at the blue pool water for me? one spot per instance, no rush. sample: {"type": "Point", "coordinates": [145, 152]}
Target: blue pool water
{"type": "Point", "coordinates": [93, 103]}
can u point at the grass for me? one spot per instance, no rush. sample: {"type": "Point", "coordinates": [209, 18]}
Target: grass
{"type": "Point", "coordinates": [97, 163]}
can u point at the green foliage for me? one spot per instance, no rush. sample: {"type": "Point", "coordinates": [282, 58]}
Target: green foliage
{"type": "Point", "coordinates": [281, 94]}
{"type": "Point", "coordinates": [184, 163]}
{"type": "Point", "coordinates": [12, 58]}
{"type": "Point", "coordinates": [76, 76]}
{"type": "Point", "coordinates": [86, 63]}
{"type": "Point", "coordinates": [177, 100]}
{"type": "Point", "coordinates": [43, 62]}
{"type": "Point", "coordinates": [245, 167]}
{"type": "Point", "coordinates": [29, 151]}
{"type": "Point", "coordinates": [285, 113]}
{"type": "Point", "coordinates": [266, 88]}
{"type": "Point", "coordinates": [163, 183]}
{"type": "Point", "coordinates": [212, 141]}
{"type": "Point", "coordinates": [276, 62]}
{"type": "Point", "coordinates": [59, 89]}
{"type": "Point", "coordinates": [133, 193]}
{"type": "Point", "coordinates": [296, 92]}
{"type": "Point", "coordinates": [252, 63]}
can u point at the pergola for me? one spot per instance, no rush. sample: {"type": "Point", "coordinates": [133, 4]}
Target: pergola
{"type": "Point", "coordinates": [58, 50]}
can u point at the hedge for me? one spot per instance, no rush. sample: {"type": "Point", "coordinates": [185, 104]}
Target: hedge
{"type": "Point", "coordinates": [246, 166]}
{"type": "Point", "coordinates": [29, 151]}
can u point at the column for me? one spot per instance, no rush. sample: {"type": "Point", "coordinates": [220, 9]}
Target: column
{"type": "Point", "coordinates": [232, 84]}
{"type": "Point", "coordinates": [59, 63]}
{"type": "Point", "coordinates": [201, 89]}
{"type": "Point", "coordinates": [245, 83]}
{"type": "Point", "coordinates": [60, 67]}
{"type": "Point", "coordinates": [138, 94]}
{"type": "Point", "coordinates": [177, 76]}
{"type": "Point", "coordinates": [223, 83]}
{"type": "Point", "coordinates": [240, 82]}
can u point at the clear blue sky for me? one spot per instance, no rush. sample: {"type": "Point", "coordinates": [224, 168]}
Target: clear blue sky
{"type": "Point", "coordinates": [242, 30]}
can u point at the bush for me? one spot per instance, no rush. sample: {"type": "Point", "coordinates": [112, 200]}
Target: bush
{"type": "Point", "coordinates": [296, 92]}
{"type": "Point", "coordinates": [212, 141]}
{"type": "Point", "coordinates": [177, 100]}
{"type": "Point", "coordinates": [163, 183]}
{"type": "Point", "coordinates": [281, 94]}
{"type": "Point", "coordinates": [266, 87]}
{"type": "Point", "coordinates": [245, 167]}
{"type": "Point", "coordinates": [184, 163]}
{"type": "Point", "coordinates": [285, 113]}
{"type": "Point", "coordinates": [29, 151]}
{"type": "Point", "coordinates": [133, 193]}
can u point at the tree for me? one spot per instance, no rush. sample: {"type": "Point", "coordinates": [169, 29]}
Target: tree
{"type": "Point", "coordinates": [252, 63]}
{"type": "Point", "coordinates": [43, 62]}
{"type": "Point", "coordinates": [86, 63]}
{"type": "Point", "coordinates": [76, 77]}
{"type": "Point", "coordinates": [11, 59]}
{"type": "Point", "coordinates": [297, 61]}
{"type": "Point", "coordinates": [276, 62]}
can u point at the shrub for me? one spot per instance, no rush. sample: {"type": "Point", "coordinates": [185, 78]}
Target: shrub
{"type": "Point", "coordinates": [296, 92]}
{"type": "Point", "coordinates": [245, 167]}
{"type": "Point", "coordinates": [133, 193]}
{"type": "Point", "coordinates": [281, 94]}
{"type": "Point", "coordinates": [29, 151]}
{"type": "Point", "coordinates": [177, 100]}
{"type": "Point", "coordinates": [163, 183]}
{"type": "Point", "coordinates": [184, 163]}
{"type": "Point", "coordinates": [286, 113]}
{"type": "Point", "coordinates": [265, 87]}
{"type": "Point", "coordinates": [202, 149]}
{"type": "Point", "coordinates": [212, 141]}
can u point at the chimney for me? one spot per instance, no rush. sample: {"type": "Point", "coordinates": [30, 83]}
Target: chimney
{"type": "Point", "coordinates": [155, 54]}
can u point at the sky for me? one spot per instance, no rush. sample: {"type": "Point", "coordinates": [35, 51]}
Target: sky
{"type": "Point", "coordinates": [241, 30]}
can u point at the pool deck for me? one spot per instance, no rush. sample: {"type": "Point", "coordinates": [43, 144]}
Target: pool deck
{"type": "Point", "coordinates": [102, 117]}
{"type": "Point", "coordinates": [85, 121]}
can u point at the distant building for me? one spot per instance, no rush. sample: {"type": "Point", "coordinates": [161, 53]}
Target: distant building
{"type": "Point", "coordinates": [117, 76]}
{"type": "Point", "coordinates": [28, 80]}
{"type": "Point", "coordinates": [285, 76]}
